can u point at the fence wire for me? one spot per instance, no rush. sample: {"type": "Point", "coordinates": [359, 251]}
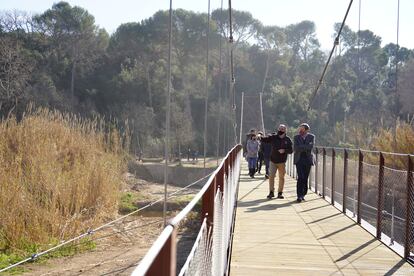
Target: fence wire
{"type": "Point", "coordinates": [410, 236]}
{"type": "Point", "coordinates": [210, 252]}
{"type": "Point", "coordinates": [395, 205]}
{"type": "Point", "coordinates": [339, 176]}
{"type": "Point", "coordinates": [319, 177]}
{"type": "Point", "coordinates": [328, 173]}
{"type": "Point", "coordinates": [369, 194]}
{"type": "Point", "coordinates": [199, 261]}
{"type": "Point", "coordinates": [352, 184]}
{"type": "Point", "coordinates": [397, 209]}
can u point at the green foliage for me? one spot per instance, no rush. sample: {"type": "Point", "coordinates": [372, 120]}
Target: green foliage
{"type": "Point", "coordinates": [76, 66]}
{"type": "Point", "coordinates": [7, 258]}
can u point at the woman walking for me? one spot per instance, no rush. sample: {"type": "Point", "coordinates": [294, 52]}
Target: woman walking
{"type": "Point", "coordinates": [252, 148]}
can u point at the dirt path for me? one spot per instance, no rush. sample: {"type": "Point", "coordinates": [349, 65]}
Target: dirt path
{"type": "Point", "coordinates": [119, 248]}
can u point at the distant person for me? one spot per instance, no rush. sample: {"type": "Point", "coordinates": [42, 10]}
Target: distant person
{"type": "Point", "coordinates": [260, 157]}
{"type": "Point", "coordinates": [139, 156]}
{"type": "Point", "coordinates": [248, 137]}
{"type": "Point", "coordinates": [188, 154]}
{"type": "Point", "coordinates": [252, 147]}
{"type": "Point", "coordinates": [281, 146]}
{"type": "Point", "coordinates": [303, 159]}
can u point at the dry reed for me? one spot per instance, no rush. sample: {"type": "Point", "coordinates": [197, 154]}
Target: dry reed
{"type": "Point", "coordinates": [59, 175]}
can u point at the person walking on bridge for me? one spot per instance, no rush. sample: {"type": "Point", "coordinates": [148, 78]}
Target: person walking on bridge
{"type": "Point", "coordinates": [281, 146]}
{"type": "Point", "coordinates": [303, 159]}
{"type": "Point", "coordinates": [267, 150]}
{"type": "Point", "coordinates": [260, 157]}
{"type": "Point", "coordinates": [252, 148]}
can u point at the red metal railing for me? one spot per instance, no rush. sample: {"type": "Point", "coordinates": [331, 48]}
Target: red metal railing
{"type": "Point", "coordinates": [161, 259]}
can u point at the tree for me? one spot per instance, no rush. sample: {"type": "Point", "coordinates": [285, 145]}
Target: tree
{"type": "Point", "coordinates": [74, 39]}
{"type": "Point", "coordinates": [244, 25]}
{"type": "Point", "coordinates": [301, 37]}
{"type": "Point", "coordinates": [406, 87]}
{"type": "Point", "coordinates": [347, 40]}
{"type": "Point", "coordinates": [272, 40]}
{"type": "Point", "coordinates": [15, 69]}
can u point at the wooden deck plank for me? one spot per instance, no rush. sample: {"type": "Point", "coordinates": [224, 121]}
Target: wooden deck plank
{"type": "Point", "coordinates": [282, 237]}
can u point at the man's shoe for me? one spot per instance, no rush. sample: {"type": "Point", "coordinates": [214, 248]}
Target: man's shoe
{"type": "Point", "coordinates": [280, 195]}
{"type": "Point", "coordinates": [303, 198]}
{"type": "Point", "coordinates": [299, 200]}
{"type": "Point", "coordinates": [266, 176]}
{"type": "Point", "coordinates": [271, 195]}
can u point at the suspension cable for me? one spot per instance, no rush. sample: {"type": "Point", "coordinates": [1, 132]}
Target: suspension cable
{"type": "Point", "coordinates": [206, 86]}
{"type": "Point", "coordinates": [232, 91]}
{"type": "Point", "coordinates": [93, 231]}
{"type": "Point", "coordinates": [167, 116]}
{"type": "Point", "coordinates": [336, 42]}
{"type": "Point", "coordinates": [219, 85]}
{"type": "Point", "coordinates": [398, 46]}
{"type": "Point", "coordinates": [397, 50]}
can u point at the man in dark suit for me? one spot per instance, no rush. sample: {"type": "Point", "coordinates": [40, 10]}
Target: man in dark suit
{"type": "Point", "coordinates": [303, 159]}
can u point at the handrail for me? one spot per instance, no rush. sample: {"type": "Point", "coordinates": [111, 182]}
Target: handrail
{"type": "Point", "coordinates": [184, 212]}
{"type": "Point", "coordinates": [155, 249]}
{"type": "Point", "coordinates": [368, 151]}
{"type": "Point", "coordinates": [161, 257]}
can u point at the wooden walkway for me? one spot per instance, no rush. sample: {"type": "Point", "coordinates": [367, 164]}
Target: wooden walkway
{"type": "Point", "coordinates": [282, 237]}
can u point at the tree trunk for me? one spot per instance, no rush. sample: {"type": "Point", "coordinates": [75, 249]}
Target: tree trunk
{"type": "Point", "coordinates": [149, 86]}
{"type": "Point", "coordinates": [72, 83]}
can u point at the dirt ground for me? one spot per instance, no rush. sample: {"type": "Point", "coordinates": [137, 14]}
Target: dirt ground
{"type": "Point", "coordinates": [120, 247]}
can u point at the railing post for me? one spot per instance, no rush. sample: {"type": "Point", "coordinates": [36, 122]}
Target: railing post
{"type": "Point", "coordinates": [166, 260]}
{"type": "Point", "coordinates": [360, 172]}
{"type": "Point", "coordinates": [345, 183]}
{"type": "Point", "coordinates": [380, 195]}
{"type": "Point", "coordinates": [409, 214]}
{"type": "Point", "coordinates": [316, 170]}
{"type": "Point", "coordinates": [323, 171]}
{"type": "Point", "coordinates": [333, 178]}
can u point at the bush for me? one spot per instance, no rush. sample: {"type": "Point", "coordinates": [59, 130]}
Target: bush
{"type": "Point", "coordinates": [59, 175]}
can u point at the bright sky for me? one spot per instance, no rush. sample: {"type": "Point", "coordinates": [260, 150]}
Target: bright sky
{"type": "Point", "coordinates": [379, 16]}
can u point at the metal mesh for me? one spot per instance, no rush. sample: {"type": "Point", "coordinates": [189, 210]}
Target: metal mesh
{"type": "Point", "coordinates": [394, 207]}
{"type": "Point", "coordinates": [312, 178]}
{"type": "Point", "coordinates": [199, 260]}
{"type": "Point", "coordinates": [369, 194]}
{"type": "Point", "coordinates": [411, 218]}
{"type": "Point", "coordinates": [209, 255]}
{"type": "Point", "coordinates": [328, 173]}
{"type": "Point", "coordinates": [395, 194]}
{"type": "Point", "coordinates": [339, 176]}
{"type": "Point", "coordinates": [319, 176]}
{"type": "Point", "coordinates": [352, 184]}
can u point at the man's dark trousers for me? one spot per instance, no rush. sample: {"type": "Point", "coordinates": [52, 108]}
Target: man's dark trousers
{"type": "Point", "coordinates": [303, 168]}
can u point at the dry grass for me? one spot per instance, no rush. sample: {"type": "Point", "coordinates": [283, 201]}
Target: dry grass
{"type": "Point", "coordinates": [59, 175]}
{"type": "Point", "coordinates": [402, 143]}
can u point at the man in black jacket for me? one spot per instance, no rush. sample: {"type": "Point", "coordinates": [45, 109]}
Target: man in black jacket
{"type": "Point", "coordinates": [281, 147]}
{"type": "Point", "coordinates": [303, 159]}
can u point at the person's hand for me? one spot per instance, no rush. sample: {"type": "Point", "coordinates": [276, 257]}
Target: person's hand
{"type": "Point", "coordinates": [281, 151]}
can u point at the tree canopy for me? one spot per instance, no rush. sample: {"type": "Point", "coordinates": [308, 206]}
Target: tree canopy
{"type": "Point", "coordinates": [61, 59]}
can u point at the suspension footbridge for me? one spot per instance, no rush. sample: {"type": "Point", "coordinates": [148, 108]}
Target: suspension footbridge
{"type": "Point", "coordinates": [358, 218]}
